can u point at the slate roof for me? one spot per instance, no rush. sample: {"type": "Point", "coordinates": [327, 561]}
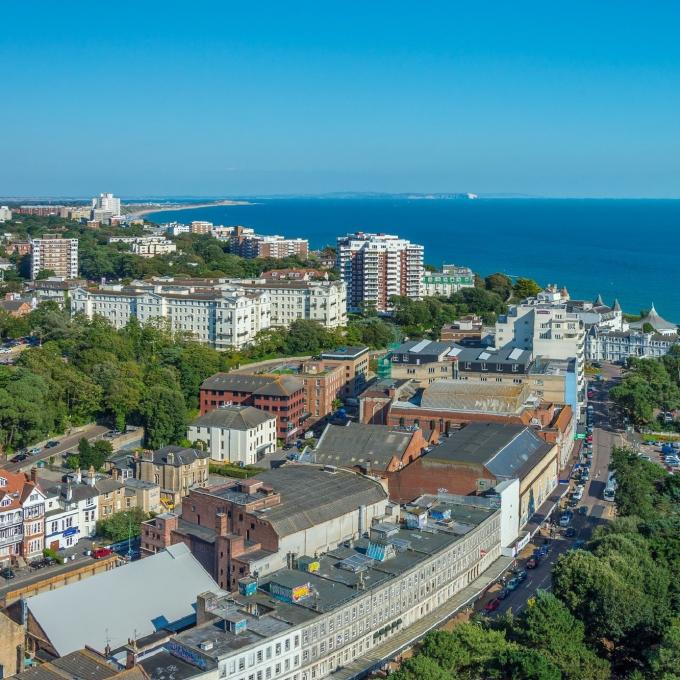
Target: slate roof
{"type": "Point", "coordinates": [135, 599]}
{"type": "Point", "coordinates": [506, 450]}
{"type": "Point", "coordinates": [310, 496]}
{"type": "Point", "coordinates": [13, 305]}
{"type": "Point", "coordinates": [79, 665]}
{"type": "Point", "coordinates": [234, 418]}
{"type": "Point", "coordinates": [266, 385]}
{"type": "Point", "coordinates": [180, 455]}
{"type": "Point", "coordinates": [360, 444]}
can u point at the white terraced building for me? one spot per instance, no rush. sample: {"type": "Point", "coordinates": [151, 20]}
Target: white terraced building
{"type": "Point", "coordinates": [321, 301]}
{"type": "Point", "coordinates": [226, 318]}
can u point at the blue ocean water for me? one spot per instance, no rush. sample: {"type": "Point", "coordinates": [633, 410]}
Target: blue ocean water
{"type": "Point", "coordinates": [628, 249]}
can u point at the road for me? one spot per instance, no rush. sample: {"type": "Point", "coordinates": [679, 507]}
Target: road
{"type": "Point", "coordinates": [607, 433]}
{"type": "Point", "coordinates": [66, 442]}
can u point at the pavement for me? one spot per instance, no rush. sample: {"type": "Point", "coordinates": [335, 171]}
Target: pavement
{"type": "Point", "coordinates": [607, 432]}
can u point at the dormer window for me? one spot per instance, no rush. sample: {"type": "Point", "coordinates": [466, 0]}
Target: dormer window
{"type": "Point", "coordinates": [3, 481]}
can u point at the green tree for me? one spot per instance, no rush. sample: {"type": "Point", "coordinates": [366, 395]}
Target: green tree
{"type": "Point", "coordinates": [121, 525]}
{"type": "Point", "coordinates": [421, 667]}
{"type": "Point", "coordinates": [548, 626]}
{"type": "Point", "coordinates": [164, 414]}
{"type": "Point", "coordinates": [664, 659]}
{"type": "Point", "coordinates": [525, 288]}
{"type": "Point", "coordinates": [498, 283]}
{"type": "Point", "coordinates": [522, 663]}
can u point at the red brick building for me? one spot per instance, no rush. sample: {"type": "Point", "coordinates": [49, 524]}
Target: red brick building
{"type": "Point", "coordinates": [281, 395]}
{"type": "Point", "coordinates": [248, 526]}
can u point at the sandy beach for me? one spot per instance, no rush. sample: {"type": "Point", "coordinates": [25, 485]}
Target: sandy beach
{"type": "Point", "coordinates": [167, 207]}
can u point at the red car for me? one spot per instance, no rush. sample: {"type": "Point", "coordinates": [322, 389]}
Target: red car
{"type": "Point", "coordinates": [589, 438]}
{"type": "Point", "coordinates": [99, 553]}
{"type": "Point", "coordinates": [492, 605]}
{"type": "Point", "coordinates": [591, 394]}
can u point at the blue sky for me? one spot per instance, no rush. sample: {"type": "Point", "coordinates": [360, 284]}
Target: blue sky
{"type": "Point", "coordinates": [542, 98]}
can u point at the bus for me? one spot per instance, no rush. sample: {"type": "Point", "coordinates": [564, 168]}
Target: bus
{"type": "Point", "coordinates": [610, 489]}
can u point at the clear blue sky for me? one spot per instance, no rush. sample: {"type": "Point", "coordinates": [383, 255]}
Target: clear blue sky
{"type": "Point", "coordinates": [218, 98]}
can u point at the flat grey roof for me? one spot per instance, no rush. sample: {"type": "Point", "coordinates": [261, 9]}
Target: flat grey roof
{"type": "Point", "coordinates": [351, 352]}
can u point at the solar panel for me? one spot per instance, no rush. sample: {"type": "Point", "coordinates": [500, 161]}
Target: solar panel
{"type": "Point", "coordinates": [420, 346]}
{"type": "Point", "coordinates": [356, 563]}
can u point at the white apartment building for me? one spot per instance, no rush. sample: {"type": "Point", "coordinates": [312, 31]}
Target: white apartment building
{"type": "Point", "coordinates": [54, 253]}
{"type": "Point", "coordinates": [235, 434]}
{"type": "Point", "coordinates": [106, 203]}
{"type": "Point", "coordinates": [545, 328]}
{"type": "Point", "coordinates": [5, 214]}
{"type": "Point", "coordinates": [321, 301]}
{"type": "Point", "coordinates": [377, 266]}
{"type": "Point", "coordinates": [146, 246]}
{"type": "Point", "coordinates": [224, 319]}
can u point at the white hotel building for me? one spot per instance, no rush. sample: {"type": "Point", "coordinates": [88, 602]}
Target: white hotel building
{"type": "Point", "coordinates": [221, 318]}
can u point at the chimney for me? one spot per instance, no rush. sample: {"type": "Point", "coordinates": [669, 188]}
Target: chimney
{"type": "Point", "coordinates": [34, 474]}
{"type": "Point", "coordinates": [91, 477]}
{"type": "Point", "coordinates": [78, 476]}
{"type": "Point", "coordinates": [170, 458]}
{"type": "Point", "coordinates": [205, 602]}
{"type": "Point", "coordinates": [221, 525]}
{"type": "Point", "coordinates": [69, 493]}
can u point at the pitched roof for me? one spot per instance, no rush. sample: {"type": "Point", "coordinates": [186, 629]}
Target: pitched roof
{"type": "Point", "coordinates": [269, 385]}
{"type": "Point", "coordinates": [656, 321]}
{"type": "Point", "coordinates": [332, 495]}
{"type": "Point", "coordinates": [234, 418]}
{"type": "Point", "coordinates": [138, 598]}
{"type": "Point", "coordinates": [83, 664]}
{"type": "Point", "coordinates": [506, 450]}
{"type": "Point", "coordinates": [358, 444]}
{"type": "Point", "coordinates": [180, 455]}
{"type": "Point", "coordinates": [462, 395]}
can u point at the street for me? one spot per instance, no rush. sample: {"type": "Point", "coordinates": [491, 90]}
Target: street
{"type": "Point", "coordinates": [607, 433]}
{"type": "Point", "coordinates": [66, 442]}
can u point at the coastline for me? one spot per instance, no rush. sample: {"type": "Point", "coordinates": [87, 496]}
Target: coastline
{"type": "Point", "coordinates": [184, 206]}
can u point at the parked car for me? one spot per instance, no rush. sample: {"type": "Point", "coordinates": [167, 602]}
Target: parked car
{"type": "Point", "coordinates": [578, 493]}
{"type": "Point", "coordinates": [48, 561]}
{"type": "Point", "coordinates": [583, 510]}
{"type": "Point", "coordinates": [521, 574]}
{"type": "Point", "coordinates": [570, 532]}
{"type": "Point", "coordinates": [492, 605]}
{"type": "Point", "coordinates": [100, 553]}
{"type": "Point", "coordinates": [565, 519]}
{"type": "Point", "coordinates": [591, 394]}
{"type": "Point", "coordinates": [7, 574]}
{"type": "Point", "coordinates": [18, 458]}
{"type": "Point", "coordinates": [502, 594]}
{"type": "Point", "coordinates": [37, 564]}
{"type": "Point", "coordinates": [532, 563]}
{"type": "Point", "coordinates": [34, 451]}
{"type": "Point", "coordinates": [52, 443]}
{"type": "Point", "coordinates": [512, 584]}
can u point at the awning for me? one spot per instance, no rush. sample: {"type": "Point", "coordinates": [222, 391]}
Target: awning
{"type": "Point", "coordinates": [546, 508]}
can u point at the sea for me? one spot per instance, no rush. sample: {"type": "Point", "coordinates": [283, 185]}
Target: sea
{"type": "Point", "coordinates": [625, 249]}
